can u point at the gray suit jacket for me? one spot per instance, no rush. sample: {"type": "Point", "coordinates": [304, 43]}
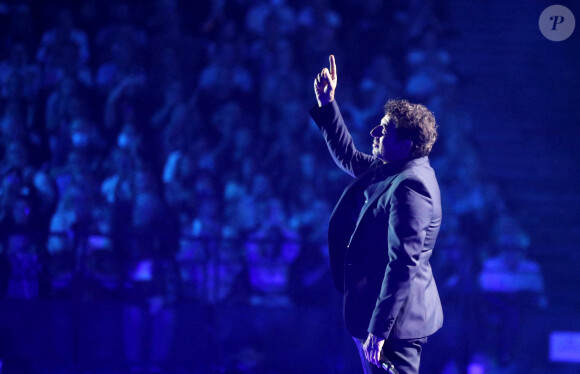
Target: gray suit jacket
{"type": "Point", "coordinates": [380, 248]}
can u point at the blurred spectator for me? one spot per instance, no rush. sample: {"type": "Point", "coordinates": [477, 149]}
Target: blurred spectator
{"type": "Point", "coordinates": [456, 268]}
{"type": "Point", "coordinates": [416, 17]}
{"type": "Point", "coordinates": [199, 248]}
{"type": "Point", "coordinates": [430, 78]}
{"type": "Point", "coordinates": [127, 113]}
{"type": "Point", "coordinates": [12, 131]}
{"type": "Point", "coordinates": [20, 177]}
{"type": "Point", "coordinates": [316, 14]}
{"type": "Point", "coordinates": [318, 28]}
{"type": "Point", "coordinates": [120, 47]}
{"type": "Point", "coordinates": [25, 267]}
{"type": "Point", "coordinates": [227, 120]}
{"type": "Point", "coordinates": [121, 63]}
{"type": "Point", "coordinates": [225, 77]}
{"type": "Point", "coordinates": [61, 106]}
{"type": "Point", "coordinates": [14, 104]}
{"type": "Point", "coordinates": [262, 192]}
{"type": "Point", "coordinates": [182, 133]}
{"type": "Point", "coordinates": [86, 139]}
{"type": "Point", "coordinates": [65, 64]}
{"type": "Point", "coordinates": [18, 64]}
{"type": "Point", "coordinates": [101, 263]}
{"type": "Point", "coordinates": [78, 170]}
{"type": "Point", "coordinates": [125, 103]}
{"type": "Point", "coordinates": [66, 104]}
{"type": "Point", "coordinates": [310, 280]}
{"type": "Point", "coordinates": [173, 108]}
{"type": "Point", "coordinates": [18, 25]}
{"type": "Point", "coordinates": [246, 203]}
{"type": "Point", "coordinates": [512, 284]}
{"type": "Point", "coordinates": [64, 51]}
{"type": "Point", "coordinates": [147, 243]}
{"type": "Point", "coordinates": [211, 265]}
{"type": "Point", "coordinates": [368, 25]}
{"type": "Point", "coordinates": [271, 250]}
{"type": "Point", "coordinates": [271, 18]}
{"type": "Point", "coordinates": [471, 203]}
{"type": "Point", "coordinates": [166, 20]}
{"type": "Point", "coordinates": [280, 83]}
{"type": "Point", "coordinates": [510, 270]}
{"type": "Point", "coordinates": [179, 54]}
{"type": "Point", "coordinates": [64, 31]}
{"type": "Point", "coordinates": [174, 121]}
{"type": "Point", "coordinates": [71, 218]}
{"type": "Point", "coordinates": [123, 162]}
{"type": "Point", "coordinates": [187, 186]}
{"type": "Point", "coordinates": [23, 238]}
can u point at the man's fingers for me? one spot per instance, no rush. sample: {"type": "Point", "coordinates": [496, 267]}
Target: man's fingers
{"type": "Point", "coordinates": [332, 67]}
{"type": "Point", "coordinates": [325, 74]}
{"type": "Point", "coordinates": [319, 83]}
{"type": "Point", "coordinates": [372, 356]}
{"type": "Point", "coordinates": [375, 358]}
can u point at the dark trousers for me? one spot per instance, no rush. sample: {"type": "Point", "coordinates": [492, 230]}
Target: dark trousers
{"type": "Point", "coordinates": [404, 354]}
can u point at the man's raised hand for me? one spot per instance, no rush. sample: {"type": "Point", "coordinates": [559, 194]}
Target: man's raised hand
{"type": "Point", "coordinates": [325, 84]}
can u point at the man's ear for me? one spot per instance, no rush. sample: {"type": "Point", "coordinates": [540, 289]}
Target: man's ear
{"type": "Point", "coordinates": [406, 146]}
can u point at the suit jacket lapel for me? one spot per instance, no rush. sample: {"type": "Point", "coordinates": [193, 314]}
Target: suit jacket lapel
{"type": "Point", "coordinates": [378, 192]}
{"type": "Point", "coordinates": [354, 185]}
{"type": "Point", "coordinates": [397, 169]}
{"type": "Point", "coordinates": [342, 222]}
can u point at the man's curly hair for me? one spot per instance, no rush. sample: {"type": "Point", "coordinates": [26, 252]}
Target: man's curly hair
{"type": "Point", "coordinates": [413, 122]}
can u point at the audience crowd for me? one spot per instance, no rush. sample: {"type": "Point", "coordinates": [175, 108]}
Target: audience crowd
{"type": "Point", "coordinates": [161, 152]}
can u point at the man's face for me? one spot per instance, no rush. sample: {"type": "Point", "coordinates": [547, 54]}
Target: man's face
{"type": "Point", "coordinates": [386, 146]}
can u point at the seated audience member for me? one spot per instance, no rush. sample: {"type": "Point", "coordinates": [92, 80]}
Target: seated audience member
{"type": "Point", "coordinates": [22, 240]}
{"type": "Point", "coordinates": [512, 286]}
{"type": "Point", "coordinates": [18, 64]}
{"type": "Point", "coordinates": [147, 242]}
{"type": "Point", "coordinates": [311, 282]}
{"type": "Point", "coordinates": [210, 264]}
{"type": "Point", "coordinates": [119, 47]}
{"type": "Point", "coordinates": [68, 228]}
{"type": "Point", "coordinates": [64, 50]}
{"type": "Point", "coordinates": [270, 252]}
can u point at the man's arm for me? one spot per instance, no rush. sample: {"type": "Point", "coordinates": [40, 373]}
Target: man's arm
{"type": "Point", "coordinates": [328, 118]}
{"type": "Point", "coordinates": [410, 215]}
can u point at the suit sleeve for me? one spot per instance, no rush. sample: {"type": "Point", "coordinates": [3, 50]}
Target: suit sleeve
{"type": "Point", "coordinates": [410, 214]}
{"type": "Point", "coordinates": [339, 140]}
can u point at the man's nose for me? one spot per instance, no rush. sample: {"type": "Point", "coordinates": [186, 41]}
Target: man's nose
{"type": "Point", "coordinates": [377, 132]}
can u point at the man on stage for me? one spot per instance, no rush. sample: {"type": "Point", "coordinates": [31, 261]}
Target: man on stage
{"type": "Point", "coordinates": [383, 229]}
